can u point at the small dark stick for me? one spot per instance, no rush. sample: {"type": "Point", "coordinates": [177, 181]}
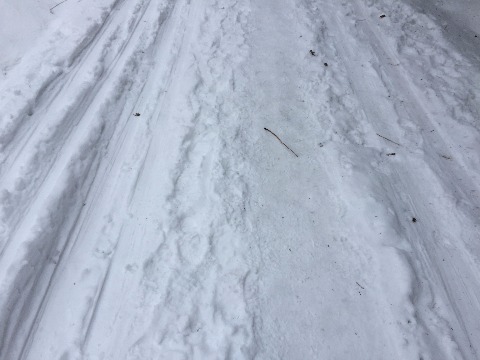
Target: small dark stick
{"type": "Point", "coordinates": [360, 286]}
{"type": "Point", "coordinates": [383, 137]}
{"type": "Point", "coordinates": [271, 132]}
{"type": "Point", "coordinates": [60, 3]}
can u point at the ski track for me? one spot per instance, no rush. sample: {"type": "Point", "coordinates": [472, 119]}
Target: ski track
{"type": "Point", "coordinates": [189, 232]}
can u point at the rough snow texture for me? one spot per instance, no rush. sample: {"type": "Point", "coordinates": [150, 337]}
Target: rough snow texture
{"type": "Point", "coordinates": [145, 213]}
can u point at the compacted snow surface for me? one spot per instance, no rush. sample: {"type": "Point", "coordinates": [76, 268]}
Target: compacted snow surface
{"type": "Point", "coordinates": [225, 179]}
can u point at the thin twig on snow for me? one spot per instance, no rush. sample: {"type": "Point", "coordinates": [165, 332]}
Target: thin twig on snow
{"type": "Point", "coordinates": [360, 285]}
{"type": "Point", "coordinates": [60, 3]}
{"type": "Point", "coordinates": [271, 132]}
{"type": "Point", "coordinates": [383, 137]}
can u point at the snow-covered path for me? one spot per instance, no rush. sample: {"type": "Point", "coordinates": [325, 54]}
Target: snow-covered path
{"type": "Point", "coordinates": [148, 213]}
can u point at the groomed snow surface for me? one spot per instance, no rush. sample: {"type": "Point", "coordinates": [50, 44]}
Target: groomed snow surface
{"type": "Point", "coordinates": [146, 212]}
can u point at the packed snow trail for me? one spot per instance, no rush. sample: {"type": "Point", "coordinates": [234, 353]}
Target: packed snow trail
{"type": "Point", "coordinates": [147, 214]}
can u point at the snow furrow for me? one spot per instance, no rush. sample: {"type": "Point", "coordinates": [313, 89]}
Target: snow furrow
{"type": "Point", "coordinates": [62, 193]}
{"type": "Point", "coordinates": [41, 75]}
{"type": "Point", "coordinates": [414, 119]}
{"type": "Point", "coordinates": [22, 180]}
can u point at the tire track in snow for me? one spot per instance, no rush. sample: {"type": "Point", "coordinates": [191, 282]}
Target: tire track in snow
{"type": "Point", "coordinates": [63, 190]}
{"type": "Point", "coordinates": [96, 238]}
{"type": "Point", "coordinates": [197, 274]}
{"type": "Point", "coordinates": [440, 336]}
{"type": "Point", "coordinates": [364, 81]}
{"type": "Point", "coordinates": [37, 157]}
{"type": "Point", "coordinates": [426, 112]}
{"type": "Point", "coordinates": [19, 129]}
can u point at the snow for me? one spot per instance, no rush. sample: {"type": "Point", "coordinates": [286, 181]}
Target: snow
{"type": "Point", "coordinates": [189, 231]}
